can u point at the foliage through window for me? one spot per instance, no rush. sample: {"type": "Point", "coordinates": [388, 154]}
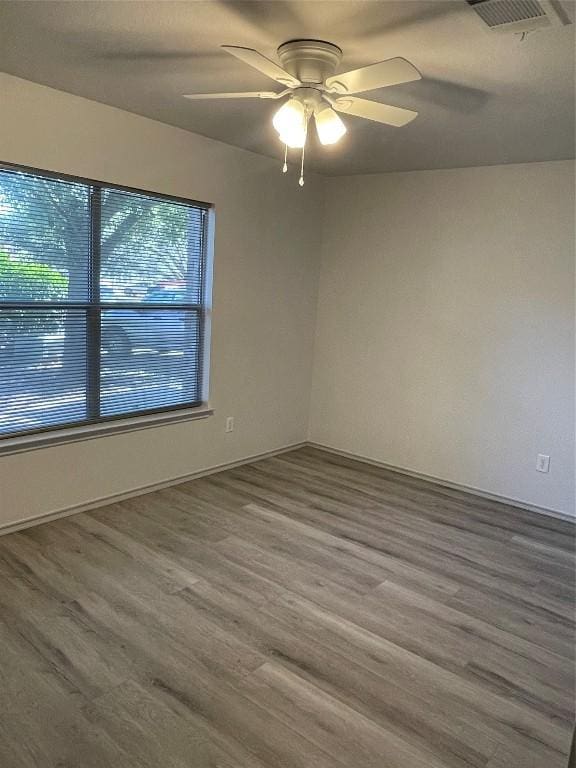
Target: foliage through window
{"type": "Point", "coordinates": [102, 302]}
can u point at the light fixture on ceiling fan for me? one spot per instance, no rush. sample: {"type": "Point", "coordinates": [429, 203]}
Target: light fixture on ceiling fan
{"type": "Point", "coordinates": [307, 73]}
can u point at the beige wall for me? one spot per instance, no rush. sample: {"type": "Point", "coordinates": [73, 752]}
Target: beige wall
{"type": "Point", "coordinates": [265, 284]}
{"type": "Point", "coordinates": [445, 331]}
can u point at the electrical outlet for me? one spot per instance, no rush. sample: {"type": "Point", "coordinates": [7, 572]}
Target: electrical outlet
{"type": "Point", "coordinates": [543, 463]}
{"type": "Point", "coordinates": [229, 424]}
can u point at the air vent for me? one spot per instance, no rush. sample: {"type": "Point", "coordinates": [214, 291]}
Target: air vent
{"type": "Point", "coordinates": [517, 15]}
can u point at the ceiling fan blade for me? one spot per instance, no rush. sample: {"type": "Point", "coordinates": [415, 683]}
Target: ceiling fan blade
{"type": "Point", "coordinates": [239, 95]}
{"type": "Point", "coordinates": [262, 64]}
{"type": "Point", "coordinates": [373, 110]}
{"type": "Point", "coordinates": [381, 75]}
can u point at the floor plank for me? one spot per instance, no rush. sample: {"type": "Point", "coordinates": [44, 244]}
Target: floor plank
{"type": "Point", "coordinates": [305, 610]}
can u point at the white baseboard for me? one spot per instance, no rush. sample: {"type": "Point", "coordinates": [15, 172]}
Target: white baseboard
{"type": "Point", "coordinates": [446, 483]}
{"type": "Point", "coordinates": [114, 498]}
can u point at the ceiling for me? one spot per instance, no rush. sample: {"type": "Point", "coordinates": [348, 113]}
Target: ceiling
{"type": "Point", "coordinates": [485, 98]}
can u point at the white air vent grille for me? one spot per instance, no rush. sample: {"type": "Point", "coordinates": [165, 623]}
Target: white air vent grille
{"type": "Point", "coordinates": [496, 12]}
{"type": "Point", "coordinates": [516, 15]}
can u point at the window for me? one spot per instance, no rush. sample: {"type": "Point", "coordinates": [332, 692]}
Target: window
{"type": "Point", "coordinates": [103, 308]}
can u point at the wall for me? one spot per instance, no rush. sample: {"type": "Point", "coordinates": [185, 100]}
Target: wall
{"type": "Point", "coordinates": [445, 332]}
{"type": "Point", "coordinates": [265, 285]}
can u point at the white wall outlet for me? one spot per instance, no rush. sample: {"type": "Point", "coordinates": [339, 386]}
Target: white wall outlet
{"type": "Point", "coordinates": [543, 463]}
{"type": "Point", "coordinates": [229, 424]}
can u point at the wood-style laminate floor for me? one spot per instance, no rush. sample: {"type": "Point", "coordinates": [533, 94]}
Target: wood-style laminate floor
{"type": "Point", "coordinates": [306, 611]}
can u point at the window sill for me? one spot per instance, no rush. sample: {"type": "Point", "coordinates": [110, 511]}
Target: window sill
{"type": "Point", "coordinates": [13, 445]}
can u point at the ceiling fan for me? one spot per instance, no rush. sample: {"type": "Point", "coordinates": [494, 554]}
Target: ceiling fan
{"type": "Point", "coordinates": [307, 74]}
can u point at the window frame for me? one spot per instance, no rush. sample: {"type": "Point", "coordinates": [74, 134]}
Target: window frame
{"type": "Point", "coordinates": [93, 308]}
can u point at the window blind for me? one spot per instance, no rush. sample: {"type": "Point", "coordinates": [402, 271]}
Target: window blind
{"type": "Point", "coordinates": [102, 302]}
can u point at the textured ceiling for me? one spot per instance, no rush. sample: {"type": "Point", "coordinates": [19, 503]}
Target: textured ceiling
{"type": "Point", "coordinates": [485, 98]}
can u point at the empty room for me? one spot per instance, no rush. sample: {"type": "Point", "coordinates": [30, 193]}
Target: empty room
{"type": "Point", "coordinates": [287, 384]}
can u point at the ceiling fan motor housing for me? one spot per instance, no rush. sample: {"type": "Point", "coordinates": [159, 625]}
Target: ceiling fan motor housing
{"type": "Point", "coordinates": [311, 61]}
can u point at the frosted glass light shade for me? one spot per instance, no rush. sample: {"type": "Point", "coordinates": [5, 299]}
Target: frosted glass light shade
{"type": "Point", "coordinates": [329, 126]}
{"type": "Point", "coordinates": [294, 140]}
{"type": "Point", "coordinates": [290, 122]}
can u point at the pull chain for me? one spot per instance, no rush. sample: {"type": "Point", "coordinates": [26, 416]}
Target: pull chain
{"type": "Point", "coordinates": [285, 166]}
{"type": "Point", "coordinates": [301, 179]}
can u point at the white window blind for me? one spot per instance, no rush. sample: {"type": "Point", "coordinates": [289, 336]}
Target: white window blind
{"type": "Point", "coordinates": [102, 302]}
